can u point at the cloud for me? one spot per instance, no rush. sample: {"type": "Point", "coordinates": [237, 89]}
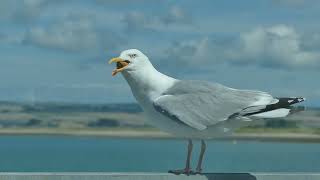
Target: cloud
{"type": "Point", "coordinates": [291, 3]}
{"type": "Point", "coordinates": [274, 46]}
{"type": "Point", "coordinates": [31, 8]}
{"type": "Point", "coordinates": [136, 21]}
{"type": "Point", "coordinates": [198, 51]}
{"type": "Point", "coordinates": [75, 32]}
{"type": "Point", "coordinates": [277, 46]}
{"type": "Point", "coordinates": [104, 2]}
{"type": "Point", "coordinates": [24, 11]}
{"type": "Point", "coordinates": [71, 29]}
{"type": "Point", "coordinates": [311, 42]}
{"type": "Point", "coordinates": [69, 36]}
{"type": "Point", "coordinates": [297, 5]}
{"type": "Point", "coordinates": [7, 38]}
{"type": "Point", "coordinates": [140, 21]}
{"type": "Point", "coordinates": [177, 15]}
{"type": "Point", "coordinates": [2, 36]}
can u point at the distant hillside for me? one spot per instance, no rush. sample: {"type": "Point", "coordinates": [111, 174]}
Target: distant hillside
{"type": "Point", "coordinates": [67, 115]}
{"type": "Point", "coordinates": [70, 107]}
{"type": "Point", "coordinates": [74, 107]}
{"type": "Point", "coordinates": [97, 116]}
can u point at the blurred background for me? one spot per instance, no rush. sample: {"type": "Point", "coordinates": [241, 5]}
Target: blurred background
{"type": "Point", "coordinates": [55, 80]}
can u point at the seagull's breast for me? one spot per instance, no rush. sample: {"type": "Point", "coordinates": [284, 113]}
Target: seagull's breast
{"type": "Point", "coordinates": [148, 85]}
{"type": "Point", "coordinates": [148, 88]}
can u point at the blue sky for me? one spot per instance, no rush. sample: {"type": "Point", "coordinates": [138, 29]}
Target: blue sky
{"type": "Point", "coordinates": [57, 50]}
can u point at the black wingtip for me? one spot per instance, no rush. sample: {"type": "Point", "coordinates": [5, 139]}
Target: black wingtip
{"type": "Point", "coordinates": [282, 103]}
{"type": "Point", "coordinates": [296, 100]}
{"type": "Point", "coordinates": [301, 99]}
{"type": "Point", "coordinates": [290, 101]}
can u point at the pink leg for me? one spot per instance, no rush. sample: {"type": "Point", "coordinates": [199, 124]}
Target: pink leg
{"type": "Point", "coordinates": [203, 149]}
{"type": "Point", "coordinates": [187, 169]}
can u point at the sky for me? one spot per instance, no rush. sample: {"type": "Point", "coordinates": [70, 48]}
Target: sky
{"type": "Point", "coordinates": [57, 50]}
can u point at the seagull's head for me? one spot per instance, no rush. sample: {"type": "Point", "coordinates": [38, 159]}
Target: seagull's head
{"type": "Point", "coordinates": [129, 60]}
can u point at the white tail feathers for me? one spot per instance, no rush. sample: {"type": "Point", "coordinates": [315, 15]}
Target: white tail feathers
{"type": "Point", "coordinates": [277, 113]}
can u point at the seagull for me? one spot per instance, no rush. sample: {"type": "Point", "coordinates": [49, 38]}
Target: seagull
{"type": "Point", "coordinates": [194, 109]}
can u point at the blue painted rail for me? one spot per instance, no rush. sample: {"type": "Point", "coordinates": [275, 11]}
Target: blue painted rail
{"type": "Point", "coordinates": [158, 176]}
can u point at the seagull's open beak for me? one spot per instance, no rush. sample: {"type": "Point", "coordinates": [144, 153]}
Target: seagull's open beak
{"type": "Point", "coordinates": [121, 64]}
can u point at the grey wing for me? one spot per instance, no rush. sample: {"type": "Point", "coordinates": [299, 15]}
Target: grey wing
{"type": "Point", "coordinates": [200, 104]}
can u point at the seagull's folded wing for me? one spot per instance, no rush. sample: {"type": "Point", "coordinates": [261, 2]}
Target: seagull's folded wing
{"type": "Point", "coordinates": [200, 104]}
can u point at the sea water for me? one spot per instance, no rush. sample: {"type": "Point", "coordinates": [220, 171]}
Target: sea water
{"type": "Point", "coordinates": [97, 154]}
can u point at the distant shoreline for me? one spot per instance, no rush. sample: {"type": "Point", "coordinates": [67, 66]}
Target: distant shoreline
{"type": "Point", "coordinates": [104, 132]}
{"type": "Point", "coordinates": [155, 134]}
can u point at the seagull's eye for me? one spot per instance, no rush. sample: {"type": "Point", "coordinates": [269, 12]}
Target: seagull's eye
{"type": "Point", "coordinates": [133, 55]}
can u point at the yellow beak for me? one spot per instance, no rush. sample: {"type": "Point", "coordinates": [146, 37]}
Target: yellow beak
{"type": "Point", "coordinates": [117, 59]}
{"type": "Point", "coordinates": [121, 64]}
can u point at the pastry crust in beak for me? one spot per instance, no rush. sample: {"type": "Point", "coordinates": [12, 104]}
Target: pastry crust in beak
{"type": "Point", "coordinates": [121, 65]}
